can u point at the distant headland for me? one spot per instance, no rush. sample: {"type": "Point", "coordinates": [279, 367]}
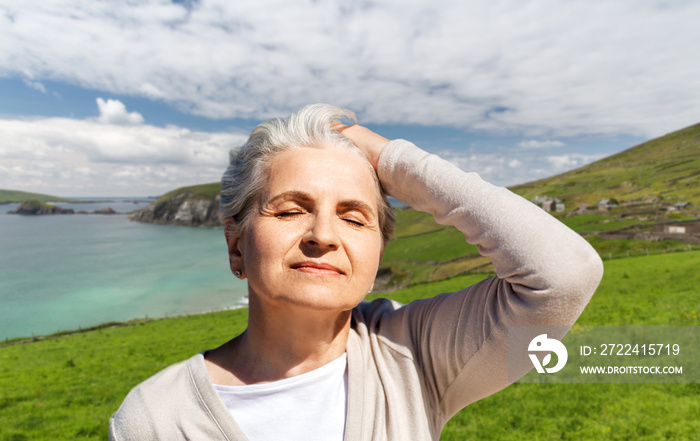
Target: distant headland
{"type": "Point", "coordinates": [36, 207]}
{"type": "Point", "coordinates": [14, 196]}
{"type": "Point", "coordinates": [194, 205]}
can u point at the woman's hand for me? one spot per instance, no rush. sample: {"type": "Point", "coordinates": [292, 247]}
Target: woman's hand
{"type": "Point", "coordinates": [366, 140]}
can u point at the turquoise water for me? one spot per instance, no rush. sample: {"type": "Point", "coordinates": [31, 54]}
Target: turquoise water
{"type": "Point", "coordinates": [62, 272]}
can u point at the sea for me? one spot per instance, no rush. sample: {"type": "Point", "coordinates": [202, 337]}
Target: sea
{"type": "Point", "coordinates": [66, 272]}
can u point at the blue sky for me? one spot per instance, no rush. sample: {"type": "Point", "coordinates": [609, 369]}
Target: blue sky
{"type": "Point", "coordinates": [105, 98]}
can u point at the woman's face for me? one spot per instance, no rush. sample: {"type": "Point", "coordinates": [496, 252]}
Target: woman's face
{"type": "Point", "coordinates": [314, 241]}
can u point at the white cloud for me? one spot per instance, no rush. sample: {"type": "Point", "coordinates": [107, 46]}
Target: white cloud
{"type": "Point", "coordinates": [542, 69]}
{"type": "Point", "coordinates": [534, 144]}
{"type": "Point", "coordinates": [35, 85]}
{"type": "Point", "coordinates": [562, 163]}
{"type": "Point", "coordinates": [114, 112]}
{"type": "Point", "coordinates": [500, 168]}
{"type": "Point", "coordinates": [514, 163]}
{"type": "Point", "coordinates": [66, 156]}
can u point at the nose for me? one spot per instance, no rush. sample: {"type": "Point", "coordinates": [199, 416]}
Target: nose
{"type": "Point", "coordinates": [322, 234]}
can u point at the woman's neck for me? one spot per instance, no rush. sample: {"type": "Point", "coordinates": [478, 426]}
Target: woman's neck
{"type": "Point", "coordinates": [280, 342]}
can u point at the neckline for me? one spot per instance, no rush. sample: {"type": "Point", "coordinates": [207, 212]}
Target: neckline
{"type": "Point", "coordinates": [229, 428]}
{"type": "Point", "coordinates": [328, 368]}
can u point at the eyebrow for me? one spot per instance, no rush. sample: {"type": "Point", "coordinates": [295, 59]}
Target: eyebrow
{"type": "Point", "coordinates": [350, 204]}
{"type": "Point", "coordinates": [354, 204]}
{"type": "Point", "coordinates": [298, 195]}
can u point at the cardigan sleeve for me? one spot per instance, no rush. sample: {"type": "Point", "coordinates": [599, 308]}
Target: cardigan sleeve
{"type": "Point", "coordinates": [546, 274]}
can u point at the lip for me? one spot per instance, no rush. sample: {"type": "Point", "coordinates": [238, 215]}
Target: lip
{"type": "Point", "coordinates": [318, 268]}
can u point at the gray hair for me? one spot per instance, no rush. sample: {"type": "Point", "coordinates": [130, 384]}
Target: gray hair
{"type": "Point", "coordinates": [243, 181]}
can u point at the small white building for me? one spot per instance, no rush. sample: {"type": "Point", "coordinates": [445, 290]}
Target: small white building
{"type": "Point", "coordinates": [549, 204]}
{"type": "Point", "coordinates": [606, 204]}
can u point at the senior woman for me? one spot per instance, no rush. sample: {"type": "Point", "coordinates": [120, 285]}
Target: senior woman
{"type": "Point", "coordinates": [306, 222]}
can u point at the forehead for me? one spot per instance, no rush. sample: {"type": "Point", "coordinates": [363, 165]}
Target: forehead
{"type": "Point", "coordinates": [332, 173]}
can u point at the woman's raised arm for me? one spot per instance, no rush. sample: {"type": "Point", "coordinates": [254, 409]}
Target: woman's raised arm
{"type": "Point", "coordinates": [546, 274]}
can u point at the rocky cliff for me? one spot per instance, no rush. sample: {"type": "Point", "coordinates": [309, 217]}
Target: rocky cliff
{"type": "Point", "coordinates": [188, 206]}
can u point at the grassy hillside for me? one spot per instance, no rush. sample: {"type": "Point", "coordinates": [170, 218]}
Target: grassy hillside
{"type": "Point", "coordinates": [202, 191]}
{"type": "Point", "coordinates": [423, 251]}
{"type": "Point", "coordinates": [67, 387]}
{"type": "Point", "coordinates": [664, 170]}
{"type": "Point", "coordinates": [21, 196]}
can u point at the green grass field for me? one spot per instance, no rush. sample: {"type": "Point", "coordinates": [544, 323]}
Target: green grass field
{"type": "Point", "coordinates": [67, 387]}
{"type": "Point", "coordinates": [598, 223]}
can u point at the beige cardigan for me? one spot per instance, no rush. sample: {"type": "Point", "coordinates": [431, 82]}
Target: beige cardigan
{"type": "Point", "coordinates": [411, 368]}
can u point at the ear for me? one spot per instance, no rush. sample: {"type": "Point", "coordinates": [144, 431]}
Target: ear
{"type": "Point", "coordinates": [235, 255]}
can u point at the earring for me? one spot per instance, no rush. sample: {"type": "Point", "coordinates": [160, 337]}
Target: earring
{"type": "Point", "coordinates": [237, 273]}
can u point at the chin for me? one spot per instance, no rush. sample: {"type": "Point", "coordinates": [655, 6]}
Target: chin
{"type": "Point", "coordinates": [322, 299]}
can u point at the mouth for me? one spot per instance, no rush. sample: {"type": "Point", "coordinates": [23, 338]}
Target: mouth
{"type": "Point", "coordinates": [317, 268]}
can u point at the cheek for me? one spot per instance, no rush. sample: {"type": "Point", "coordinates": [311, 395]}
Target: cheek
{"type": "Point", "coordinates": [367, 255]}
{"type": "Point", "coordinates": [269, 243]}
{"type": "Point", "coordinates": [260, 245]}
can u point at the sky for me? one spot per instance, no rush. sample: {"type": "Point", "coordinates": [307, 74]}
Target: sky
{"type": "Point", "coordinates": [135, 98]}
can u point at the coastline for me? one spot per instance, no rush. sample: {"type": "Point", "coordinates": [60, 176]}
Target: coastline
{"type": "Point", "coordinates": [68, 273]}
{"type": "Point", "coordinates": [108, 325]}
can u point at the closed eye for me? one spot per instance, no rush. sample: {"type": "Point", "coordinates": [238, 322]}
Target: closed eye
{"type": "Point", "coordinates": [289, 213]}
{"type": "Point", "coordinates": [354, 221]}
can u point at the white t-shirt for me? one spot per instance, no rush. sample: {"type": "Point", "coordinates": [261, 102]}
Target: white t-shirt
{"type": "Point", "coordinates": [307, 407]}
